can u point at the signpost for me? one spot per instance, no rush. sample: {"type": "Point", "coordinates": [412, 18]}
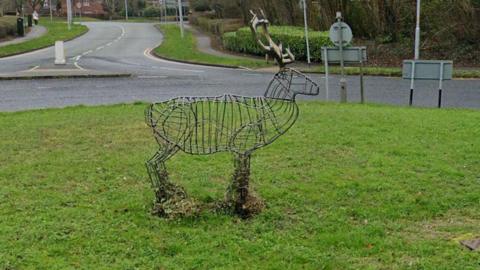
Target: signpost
{"type": "Point", "coordinates": [69, 14]}
{"type": "Point", "coordinates": [416, 69]}
{"type": "Point", "coordinates": [180, 13]}
{"type": "Point", "coordinates": [306, 30]}
{"type": "Point", "coordinates": [126, 10]}
{"type": "Point", "coordinates": [428, 70]}
{"type": "Point", "coordinates": [341, 35]}
{"type": "Point", "coordinates": [51, 10]}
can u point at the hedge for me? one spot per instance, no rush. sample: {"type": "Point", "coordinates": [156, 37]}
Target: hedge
{"type": "Point", "coordinates": [8, 26]}
{"type": "Point", "coordinates": [242, 41]}
{"type": "Point", "coordinates": [215, 26]}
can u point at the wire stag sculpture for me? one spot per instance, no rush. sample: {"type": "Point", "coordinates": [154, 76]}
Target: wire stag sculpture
{"type": "Point", "coordinates": [228, 123]}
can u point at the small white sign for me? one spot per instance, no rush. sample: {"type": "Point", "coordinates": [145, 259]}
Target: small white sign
{"type": "Point", "coordinates": [335, 33]}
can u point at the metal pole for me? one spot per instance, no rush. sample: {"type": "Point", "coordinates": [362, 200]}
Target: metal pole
{"type": "Point", "coordinates": [180, 14]}
{"type": "Point", "coordinates": [417, 32]}
{"type": "Point", "coordinates": [306, 30]}
{"type": "Point", "coordinates": [51, 11]}
{"type": "Point", "coordinates": [69, 14]}
{"type": "Point", "coordinates": [343, 81]}
{"type": "Point", "coordinates": [440, 86]}
{"type": "Point", "coordinates": [362, 88]}
{"type": "Point", "coordinates": [165, 11]}
{"type": "Point", "coordinates": [327, 86]}
{"type": "Point", "coordinates": [126, 10]}
{"type": "Point", "coordinates": [412, 83]}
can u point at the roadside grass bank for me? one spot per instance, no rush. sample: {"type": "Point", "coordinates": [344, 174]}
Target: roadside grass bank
{"type": "Point", "coordinates": [348, 187]}
{"type": "Point", "coordinates": [386, 71]}
{"type": "Point", "coordinates": [56, 30]}
{"type": "Point", "coordinates": [175, 48]}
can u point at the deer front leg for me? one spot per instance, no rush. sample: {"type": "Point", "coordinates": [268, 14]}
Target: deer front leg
{"type": "Point", "coordinates": [244, 202]}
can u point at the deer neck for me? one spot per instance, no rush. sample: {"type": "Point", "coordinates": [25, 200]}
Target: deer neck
{"type": "Point", "coordinates": [283, 113]}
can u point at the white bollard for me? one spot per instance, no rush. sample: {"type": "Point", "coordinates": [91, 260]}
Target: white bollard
{"type": "Point", "coordinates": [59, 53]}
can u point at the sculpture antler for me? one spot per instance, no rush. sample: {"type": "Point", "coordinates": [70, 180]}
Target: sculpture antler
{"type": "Point", "coordinates": [274, 50]}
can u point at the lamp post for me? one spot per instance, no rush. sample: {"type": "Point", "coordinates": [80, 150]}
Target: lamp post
{"type": "Point", "coordinates": [69, 14]}
{"type": "Point", "coordinates": [417, 31]}
{"type": "Point", "coordinates": [126, 10]}
{"type": "Point", "coordinates": [180, 13]}
{"type": "Point", "coordinates": [51, 11]}
{"type": "Point", "coordinates": [306, 30]}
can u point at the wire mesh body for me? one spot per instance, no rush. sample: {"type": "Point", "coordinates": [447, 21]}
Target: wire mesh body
{"type": "Point", "coordinates": [206, 125]}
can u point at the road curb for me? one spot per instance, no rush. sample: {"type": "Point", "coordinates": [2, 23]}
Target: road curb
{"type": "Point", "coordinates": [153, 53]}
{"type": "Point", "coordinates": [63, 76]}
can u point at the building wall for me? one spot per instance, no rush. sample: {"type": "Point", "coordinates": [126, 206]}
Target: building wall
{"type": "Point", "coordinates": [87, 7]}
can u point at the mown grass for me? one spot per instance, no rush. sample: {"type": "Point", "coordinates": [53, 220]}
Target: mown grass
{"type": "Point", "coordinates": [348, 187]}
{"type": "Point", "coordinates": [176, 48]}
{"type": "Point", "coordinates": [57, 30]}
{"type": "Point", "coordinates": [388, 71]}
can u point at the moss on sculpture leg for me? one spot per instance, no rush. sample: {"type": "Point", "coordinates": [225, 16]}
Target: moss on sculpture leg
{"type": "Point", "coordinates": [240, 197]}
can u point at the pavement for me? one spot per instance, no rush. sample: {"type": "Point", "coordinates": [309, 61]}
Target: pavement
{"type": "Point", "coordinates": [124, 48]}
{"type": "Point", "coordinates": [204, 44]}
{"type": "Point", "coordinates": [35, 32]}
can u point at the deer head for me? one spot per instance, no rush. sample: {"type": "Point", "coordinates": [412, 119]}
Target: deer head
{"type": "Point", "coordinates": [276, 51]}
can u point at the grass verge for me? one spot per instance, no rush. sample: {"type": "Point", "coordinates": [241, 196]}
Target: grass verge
{"type": "Point", "coordinates": [348, 187]}
{"type": "Point", "coordinates": [56, 30]}
{"type": "Point", "coordinates": [176, 48]}
{"type": "Point", "coordinates": [388, 71]}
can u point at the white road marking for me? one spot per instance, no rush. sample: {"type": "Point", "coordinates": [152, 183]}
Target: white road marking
{"type": "Point", "coordinates": [78, 66]}
{"type": "Point", "coordinates": [152, 77]}
{"type": "Point", "coordinates": [78, 57]}
{"type": "Point", "coordinates": [32, 69]}
{"type": "Point", "coordinates": [147, 54]}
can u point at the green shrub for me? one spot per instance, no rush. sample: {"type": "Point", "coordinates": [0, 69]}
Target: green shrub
{"type": "Point", "coordinates": [8, 26]}
{"type": "Point", "coordinates": [152, 12]}
{"type": "Point", "coordinates": [293, 37]}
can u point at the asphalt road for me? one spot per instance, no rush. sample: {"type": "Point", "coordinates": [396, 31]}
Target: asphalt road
{"type": "Point", "coordinates": [124, 47]}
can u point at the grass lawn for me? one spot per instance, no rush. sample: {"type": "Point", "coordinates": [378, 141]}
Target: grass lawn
{"type": "Point", "coordinates": [348, 187]}
{"type": "Point", "coordinates": [176, 48]}
{"type": "Point", "coordinates": [387, 71]}
{"type": "Point", "coordinates": [57, 30]}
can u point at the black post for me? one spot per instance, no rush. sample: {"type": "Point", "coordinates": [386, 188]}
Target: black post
{"type": "Point", "coordinates": [439, 98]}
{"type": "Point", "coordinates": [411, 97]}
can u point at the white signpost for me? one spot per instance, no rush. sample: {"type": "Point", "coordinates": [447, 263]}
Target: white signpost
{"type": "Point", "coordinates": [416, 69]}
{"type": "Point", "coordinates": [304, 4]}
{"type": "Point", "coordinates": [180, 14]}
{"type": "Point", "coordinates": [341, 35]}
{"type": "Point", "coordinates": [69, 14]}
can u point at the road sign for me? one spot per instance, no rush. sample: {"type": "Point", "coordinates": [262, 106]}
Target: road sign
{"type": "Point", "coordinates": [440, 70]}
{"type": "Point", "coordinates": [428, 69]}
{"type": "Point", "coordinates": [351, 55]}
{"type": "Point", "coordinates": [335, 34]}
